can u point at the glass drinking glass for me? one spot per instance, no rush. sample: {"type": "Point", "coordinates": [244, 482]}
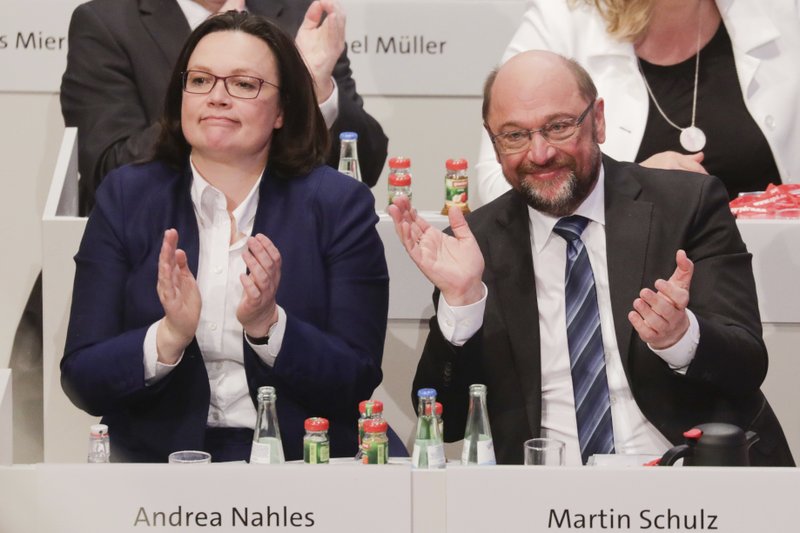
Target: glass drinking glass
{"type": "Point", "coordinates": [187, 457]}
{"type": "Point", "coordinates": [544, 452]}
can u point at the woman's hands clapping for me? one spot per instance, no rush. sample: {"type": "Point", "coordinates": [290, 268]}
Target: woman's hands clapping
{"type": "Point", "coordinates": [257, 310]}
{"type": "Point", "coordinates": [180, 298]}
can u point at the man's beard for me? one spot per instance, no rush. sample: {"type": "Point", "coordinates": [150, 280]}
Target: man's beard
{"type": "Point", "coordinates": [562, 197]}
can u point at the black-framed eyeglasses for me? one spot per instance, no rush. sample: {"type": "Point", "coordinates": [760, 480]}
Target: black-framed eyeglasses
{"type": "Point", "coordinates": [512, 142]}
{"type": "Point", "coordinates": [238, 86]}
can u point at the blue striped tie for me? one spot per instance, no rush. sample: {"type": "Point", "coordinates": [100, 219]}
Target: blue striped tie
{"type": "Point", "coordinates": [587, 361]}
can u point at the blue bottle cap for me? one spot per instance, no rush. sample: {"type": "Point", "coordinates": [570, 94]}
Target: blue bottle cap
{"type": "Point", "coordinates": [426, 393]}
{"type": "Point", "coordinates": [348, 136]}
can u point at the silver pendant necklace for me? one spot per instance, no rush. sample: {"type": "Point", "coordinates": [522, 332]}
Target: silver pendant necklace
{"type": "Point", "coordinates": [692, 138]}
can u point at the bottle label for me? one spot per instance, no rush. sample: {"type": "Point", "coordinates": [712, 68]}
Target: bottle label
{"type": "Point", "coordinates": [316, 452]}
{"type": "Point", "coordinates": [455, 193]}
{"type": "Point", "coordinates": [485, 452]}
{"type": "Point", "coordinates": [416, 455]}
{"type": "Point", "coordinates": [261, 453]}
{"type": "Point", "coordinates": [436, 455]}
{"type": "Point", "coordinates": [428, 454]}
{"type": "Point", "coordinates": [376, 452]}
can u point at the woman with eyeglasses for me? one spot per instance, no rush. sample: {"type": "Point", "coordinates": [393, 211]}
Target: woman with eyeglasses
{"type": "Point", "coordinates": [233, 260]}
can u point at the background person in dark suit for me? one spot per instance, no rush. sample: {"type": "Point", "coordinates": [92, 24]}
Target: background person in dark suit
{"type": "Point", "coordinates": [234, 260]}
{"type": "Point", "coordinates": [121, 54]}
{"type": "Point", "coordinates": [685, 349]}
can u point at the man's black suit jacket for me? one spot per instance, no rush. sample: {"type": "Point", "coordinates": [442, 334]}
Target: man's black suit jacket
{"type": "Point", "coordinates": [121, 55]}
{"type": "Point", "coordinates": [649, 215]}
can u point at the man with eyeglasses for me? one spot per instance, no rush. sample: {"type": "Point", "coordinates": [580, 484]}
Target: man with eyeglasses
{"type": "Point", "coordinates": [121, 54]}
{"type": "Point", "coordinates": [603, 304]}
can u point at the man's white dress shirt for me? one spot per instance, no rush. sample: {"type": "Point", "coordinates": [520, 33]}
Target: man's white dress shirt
{"type": "Point", "coordinates": [633, 433]}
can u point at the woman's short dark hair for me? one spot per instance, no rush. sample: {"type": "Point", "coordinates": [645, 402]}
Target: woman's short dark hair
{"type": "Point", "coordinates": [300, 144]}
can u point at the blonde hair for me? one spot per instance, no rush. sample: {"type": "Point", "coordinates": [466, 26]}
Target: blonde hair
{"type": "Point", "coordinates": [626, 20]}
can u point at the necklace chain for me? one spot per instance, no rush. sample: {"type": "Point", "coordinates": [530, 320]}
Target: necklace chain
{"type": "Point", "coordinates": [696, 79]}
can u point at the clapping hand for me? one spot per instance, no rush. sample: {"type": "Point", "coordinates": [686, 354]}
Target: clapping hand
{"type": "Point", "coordinates": [258, 310]}
{"type": "Point", "coordinates": [660, 317]}
{"type": "Point", "coordinates": [180, 298]}
{"type": "Point", "coordinates": [454, 264]}
{"type": "Point", "coordinates": [321, 42]}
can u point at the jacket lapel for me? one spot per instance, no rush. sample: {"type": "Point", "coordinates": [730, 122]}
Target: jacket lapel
{"type": "Point", "coordinates": [747, 44]}
{"type": "Point", "coordinates": [166, 25]}
{"type": "Point", "coordinates": [510, 261]}
{"type": "Point", "coordinates": [186, 221]}
{"type": "Point", "coordinates": [627, 237]}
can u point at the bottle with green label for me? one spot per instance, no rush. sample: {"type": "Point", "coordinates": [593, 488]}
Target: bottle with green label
{"type": "Point", "coordinates": [316, 446]}
{"type": "Point", "coordinates": [456, 185]}
{"type": "Point", "coordinates": [267, 446]}
{"type": "Point", "coordinates": [376, 442]}
{"type": "Point", "coordinates": [478, 444]}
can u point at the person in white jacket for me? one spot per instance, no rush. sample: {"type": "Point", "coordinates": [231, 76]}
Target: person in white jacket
{"type": "Point", "coordinates": [726, 68]}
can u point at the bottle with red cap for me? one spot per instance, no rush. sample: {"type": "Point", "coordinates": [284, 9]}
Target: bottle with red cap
{"type": "Point", "coordinates": [376, 442]}
{"type": "Point", "coordinates": [456, 185]}
{"type": "Point", "coordinates": [437, 410]}
{"type": "Point", "coordinates": [399, 178]}
{"type": "Point", "coordinates": [316, 446]}
{"type": "Point", "coordinates": [99, 444]}
{"type": "Point", "coordinates": [367, 410]}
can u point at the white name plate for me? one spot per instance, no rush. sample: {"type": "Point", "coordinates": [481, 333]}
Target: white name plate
{"type": "Point", "coordinates": [223, 497]}
{"type": "Point", "coordinates": [396, 47]}
{"type": "Point", "coordinates": [654, 499]}
{"type": "Point", "coordinates": [419, 47]}
{"type": "Point", "coordinates": [33, 44]}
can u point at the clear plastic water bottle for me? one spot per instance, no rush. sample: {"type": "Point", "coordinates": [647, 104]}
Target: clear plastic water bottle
{"type": "Point", "coordinates": [478, 444]}
{"type": "Point", "coordinates": [348, 155]}
{"type": "Point", "coordinates": [428, 445]}
{"type": "Point", "coordinates": [99, 444]}
{"type": "Point", "coordinates": [267, 446]}
{"type": "Point", "coordinates": [399, 178]}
